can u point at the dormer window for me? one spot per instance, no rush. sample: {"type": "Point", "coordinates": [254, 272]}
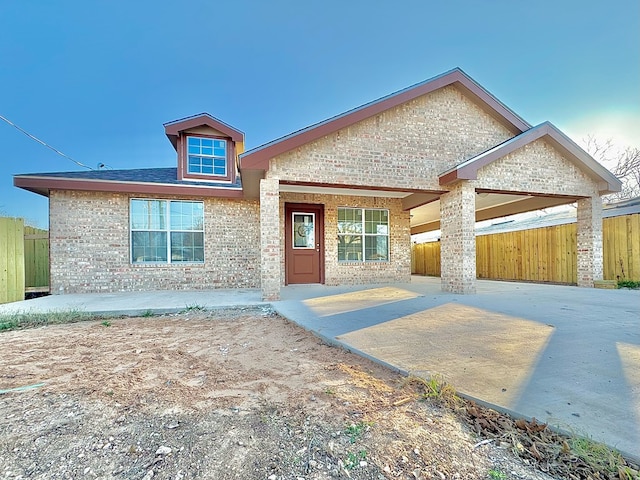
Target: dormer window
{"type": "Point", "coordinates": [207, 149]}
{"type": "Point", "coordinates": [207, 156]}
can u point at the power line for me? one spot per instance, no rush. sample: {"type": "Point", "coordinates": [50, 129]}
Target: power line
{"type": "Point", "coordinates": [43, 143]}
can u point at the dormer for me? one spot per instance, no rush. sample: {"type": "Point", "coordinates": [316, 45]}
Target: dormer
{"type": "Point", "coordinates": [207, 148]}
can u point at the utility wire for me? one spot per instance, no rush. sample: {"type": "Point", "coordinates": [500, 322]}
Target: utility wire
{"type": "Point", "coordinates": [43, 143]}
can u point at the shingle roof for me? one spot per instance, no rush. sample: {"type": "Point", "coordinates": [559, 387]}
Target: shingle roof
{"type": "Point", "coordinates": [167, 176]}
{"type": "Point", "coordinates": [153, 181]}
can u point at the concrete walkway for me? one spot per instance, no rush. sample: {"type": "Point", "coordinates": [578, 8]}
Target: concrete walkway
{"type": "Point", "coordinates": [565, 355]}
{"type": "Point", "coordinates": [137, 303]}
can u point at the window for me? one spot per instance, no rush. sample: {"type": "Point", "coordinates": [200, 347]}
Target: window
{"type": "Point", "coordinates": [207, 156]}
{"type": "Point", "coordinates": [363, 235]}
{"type": "Point", "coordinates": [167, 231]}
{"type": "Point", "coordinates": [304, 230]}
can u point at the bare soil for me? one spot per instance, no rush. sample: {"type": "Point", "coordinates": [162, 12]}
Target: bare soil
{"type": "Point", "coordinates": [223, 395]}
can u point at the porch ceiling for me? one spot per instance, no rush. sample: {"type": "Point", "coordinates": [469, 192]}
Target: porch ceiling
{"type": "Point", "coordinates": [342, 191]}
{"type": "Point", "coordinates": [425, 206]}
{"type": "Point", "coordinates": [489, 205]}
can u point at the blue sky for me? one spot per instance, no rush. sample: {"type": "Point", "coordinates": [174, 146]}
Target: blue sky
{"type": "Point", "coordinates": [97, 79]}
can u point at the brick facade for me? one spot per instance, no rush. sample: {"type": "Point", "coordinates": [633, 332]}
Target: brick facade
{"type": "Point", "coordinates": [405, 147]}
{"type": "Point", "coordinates": [397, 269]}
{"type": "Point", "coordinates": [89, 246]}
{"type": "Point", "coordinates": [536, 168]}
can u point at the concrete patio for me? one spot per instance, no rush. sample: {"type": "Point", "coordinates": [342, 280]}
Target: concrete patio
{"type": "Point", "coordinates": [566, 355]}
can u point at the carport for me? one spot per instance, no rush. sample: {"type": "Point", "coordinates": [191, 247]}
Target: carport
{"type": "Point", "coordinates": [537, 169]}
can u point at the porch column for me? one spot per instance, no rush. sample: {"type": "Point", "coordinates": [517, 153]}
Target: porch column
{"type": "Point", "coordinates": [589, 241]}
{"type": "Point", "coordinates": [270, 258]}
{"type": "Point", "coordinates": [458, 239]}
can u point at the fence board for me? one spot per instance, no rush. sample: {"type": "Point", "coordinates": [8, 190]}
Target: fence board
{"type": "Point", "coordinates": [621, 246]}
{"type": "Point", "coordinates": [634, 253]}
{"type": "Point", "coordinates": [547, 254]}
{"type": "Point", "coordinates": [11, 259]}
{"type": "Point", "coordinates": [36, 247]}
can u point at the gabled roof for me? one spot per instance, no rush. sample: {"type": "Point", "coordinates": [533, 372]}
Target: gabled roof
{"type": "Point", "coordinates": [173, 129]}
{"type": "Point", "coordinates": [468, 170]}
{"type": "Point", "coordinates": [141, 180]}
{"type": "Point", "coordinates": [258, 158]}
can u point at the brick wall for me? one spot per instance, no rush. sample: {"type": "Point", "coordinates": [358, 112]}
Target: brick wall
{"type": "Point", "coordinates": [397, 269]}
{"type": "Point", "coordinates": [89, 234]}
{"type": "Point", "coordinates": [270, 235]}
{"type": "Point", "coordinates": [405, 147]}
{"type": "Point", "coordinates": [589, 241]}
{"type": "Point", "coordinates": [458, 239]}
{"type": "Point", "coordinates": [538, 168]}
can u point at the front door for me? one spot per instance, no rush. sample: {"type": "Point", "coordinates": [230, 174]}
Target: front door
{"type": "Point", "coordinates": [304, 243]}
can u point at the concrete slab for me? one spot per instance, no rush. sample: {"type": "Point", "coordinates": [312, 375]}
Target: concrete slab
{"type": "Point", "coordinates": [566, 355]}
{"type": "Point", "coordinates": [137, 303]}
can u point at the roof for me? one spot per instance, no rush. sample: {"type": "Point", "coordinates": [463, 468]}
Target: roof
{"type": "Point", "coordinates": [468, 170]}
{"type": "Point", "coordinates": [258, 158]}
{"type": "Point", "coordinates": [142, 180]}
{"type": "Point", "coordinates": [173, 129]}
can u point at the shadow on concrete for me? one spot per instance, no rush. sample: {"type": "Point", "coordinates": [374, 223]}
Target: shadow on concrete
{"type": "Point", "coordinates": [565, 355]}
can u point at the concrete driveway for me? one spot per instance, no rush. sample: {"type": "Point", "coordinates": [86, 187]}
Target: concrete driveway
{"type": "Point", "coordinates": [568, 356]}
{"type": "Point", "coordinates": [565, 355]}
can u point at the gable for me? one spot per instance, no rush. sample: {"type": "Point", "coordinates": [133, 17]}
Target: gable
{"type": "Point", "coordinates": [539, 168]}
{"type": "Point", "coordinates": [175, 129]}
{"type": "Point", "coordinates": [258, 158]}
{"type": "Point", "coordinates": [404, 147]}
{"type": "Point", "coordinates": [205, 130]}
{"type": "Point", "coordinates": [560, 144]}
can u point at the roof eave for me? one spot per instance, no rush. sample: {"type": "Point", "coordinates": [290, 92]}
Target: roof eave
{"type": "Point", "coordinates": [43, 186]}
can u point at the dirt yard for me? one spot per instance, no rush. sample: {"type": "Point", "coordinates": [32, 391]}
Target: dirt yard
{"type": "Point", "coordinates": [221, 395]}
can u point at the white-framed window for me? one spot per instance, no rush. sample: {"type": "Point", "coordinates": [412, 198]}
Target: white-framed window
{"type": "Point", "coordinates": [207, 156]}
{"type": "Point", "coordinates": [363, 235]}
{"type": "Point", "coordinates": [166, 231]}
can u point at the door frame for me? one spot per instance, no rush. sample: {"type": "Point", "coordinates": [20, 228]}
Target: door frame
{"type": "Point", "coordinates": [289, 208]}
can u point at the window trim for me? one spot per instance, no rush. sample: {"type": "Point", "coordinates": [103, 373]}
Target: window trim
{"type": "Point", "coordinates": [293, 233]}
{"type": "Point", "coordinates": [168, 232]}
{"type": "Point", "coordinates": [363, 235]}
{"type": "Point", "coordinates": [183, 170]}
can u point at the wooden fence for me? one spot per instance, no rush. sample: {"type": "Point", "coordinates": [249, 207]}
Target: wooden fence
{"type": "Point", "coordinates": [11, 259]}
{"type": "Point", "coordinates": [36, 259]}
{"type": "Point", "coordinates": [24, 260]}
{"type": "Point", "coordinates": [546, 254]}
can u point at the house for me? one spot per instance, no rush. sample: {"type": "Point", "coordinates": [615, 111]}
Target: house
{"type": "Point", "coordinates": [333, 203]}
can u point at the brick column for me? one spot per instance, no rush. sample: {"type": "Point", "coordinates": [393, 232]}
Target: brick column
{"type": "Point", "coordinates": [589, 241]}
{"type": "Point", "coordinates": [458, 239]}
{"type": "Point", "coordinates": [270, 238]}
